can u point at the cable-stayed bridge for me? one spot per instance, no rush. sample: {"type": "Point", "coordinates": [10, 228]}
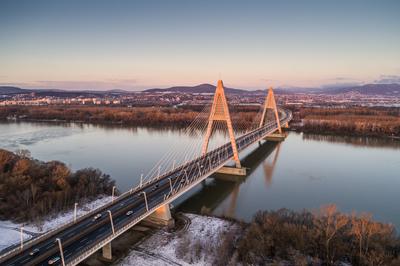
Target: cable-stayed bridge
{"type": "Point", "coordinates": [175, 174]}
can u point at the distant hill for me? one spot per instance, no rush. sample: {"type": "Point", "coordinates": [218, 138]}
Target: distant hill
{"type": "Point", "coordinates": [9, 90]}
{"type": "Point", "coordinates": [202, 88]}
{"type": "Point", "coordinates": [12, 90]}
{"type": "Point", "coordinates": [369, 89]}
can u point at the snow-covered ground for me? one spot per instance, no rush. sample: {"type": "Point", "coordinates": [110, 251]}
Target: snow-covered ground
{"type": "Point", "coordinates": [10, 232]}
{"type": "Point", "coordinates": [162, 247]}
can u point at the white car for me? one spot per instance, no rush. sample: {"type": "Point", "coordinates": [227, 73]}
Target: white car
{"type": "Point", "coordinates": [34, 252]}
{"type": "Point", "coordinates": [129, 213]}
{"type": "Point", "coordinates": [53, 260]}
{"type": "Point", "coordinates": [97, 216]}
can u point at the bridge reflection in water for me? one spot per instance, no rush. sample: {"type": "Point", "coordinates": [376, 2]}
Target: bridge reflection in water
{"type": "Point", "coordinates": [219, 195]}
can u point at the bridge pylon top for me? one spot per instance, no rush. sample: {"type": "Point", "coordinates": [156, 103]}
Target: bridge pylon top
{"type": "Point", "coordinates": [220, 112]}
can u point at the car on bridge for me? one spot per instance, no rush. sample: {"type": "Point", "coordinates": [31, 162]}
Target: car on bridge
{"type": "Point", "coordinates": [97, 216]}
{"type": "Point", "coordinates": [129, 213]}
{"type": "Point", "coordinates": [53, 260]}
{"type": "Point", "coordinates": [154, 188]}
{"type": "Point", "coordinates": [34, 252]}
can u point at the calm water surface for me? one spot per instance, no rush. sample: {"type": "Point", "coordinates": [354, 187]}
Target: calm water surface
{"type": "Point", "coordinates": [304, 171]}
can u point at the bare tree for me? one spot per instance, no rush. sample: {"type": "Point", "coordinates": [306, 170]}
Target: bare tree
{"type": "Point", "coordinates": [330, 221]}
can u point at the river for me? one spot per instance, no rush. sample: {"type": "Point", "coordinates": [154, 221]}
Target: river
{"type": "Point", "coordinates": [303, 172]}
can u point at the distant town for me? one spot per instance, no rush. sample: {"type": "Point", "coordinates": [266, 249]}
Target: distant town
{"type": "Point", "coordinates": [387, 95]}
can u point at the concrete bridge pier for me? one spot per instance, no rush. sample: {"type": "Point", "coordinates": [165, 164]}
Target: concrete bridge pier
{"type": "Point", "coordinates": [276, 136]}
{"type": "Point", "coordinates": [231, 170]}
{"type": "Point", "coordinates": [107, 252]}
{"type": "Point", "coordinates": [161, 217]}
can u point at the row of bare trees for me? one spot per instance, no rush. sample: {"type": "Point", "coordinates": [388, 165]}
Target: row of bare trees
{"type": "Point", "coordinates": [31, 189]}
{"type": "Point", "coordinates": [137, 116]}
{"type": "Point", "coordinates": [324, 237]}
{"type": "Point", "coordinates": [359, 121]}
{"type": "Point", "coordinates": [284, 237]}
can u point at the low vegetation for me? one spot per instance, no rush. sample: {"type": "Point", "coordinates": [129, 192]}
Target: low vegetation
{"type": "Point", "coordinates": [32, 189]}
{"type": "Point", "coordinates": [136, 116]}
{"type": "Point", "coordinates": [350, 121]}
{"type": "Point", "coordinates": [355, 121]}
{"type": "Point", "coordinates": [285, 237]}
{"type": "Point", "coordinates": [326, 237]}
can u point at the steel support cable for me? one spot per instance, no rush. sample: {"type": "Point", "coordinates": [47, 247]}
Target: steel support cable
{"type": "Point", "coordinates": [255, 122]}
{"type": "Point", "coordinates": [189, 153]}
{"type": "Point", "coordinates": [241, 126]}
{"type": "Point", "coordinates": [161, 163]}
{"type": "Point", "coordinates": [218, 132]}
{"type": "Point", "coordinates": [195, 132]}
{"type": "Point", "coordinates": [154, 170]}
{"type": "Point", "coordinates": [198, 124]}
{"type": "Point", "coordinates": [187, 170]}
{"type": "Point", "coordinates": [192, 153]}
{"type": "Point", "coordinates": [214, 135]}
{"type": "Point", "coordinates": [180, 155]}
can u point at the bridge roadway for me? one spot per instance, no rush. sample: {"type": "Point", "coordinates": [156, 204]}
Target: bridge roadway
{"type": "Point", "coordinates": [80, 237]}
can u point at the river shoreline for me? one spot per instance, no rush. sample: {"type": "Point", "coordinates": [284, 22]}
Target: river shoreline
{"type": "Point", "coordinates": [105, 124]}
{"type": "Point", "coordinates": [10, 231]}
{"type": "Point", "coordinates": [120, 124]}
{"type": "Point", "coordinates": [328, 133]}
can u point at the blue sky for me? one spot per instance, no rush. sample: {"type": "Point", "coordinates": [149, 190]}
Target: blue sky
{"type": "Point", "coordinates": [249, 44]}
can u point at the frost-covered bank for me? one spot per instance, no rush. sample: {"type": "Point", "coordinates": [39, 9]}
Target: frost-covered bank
{"type": "Point", "coordinates": [199, 244]}
{"type": "Point", "coordinates": [10, 231]}
{"type": "Point", "coordinates": [283, 237]}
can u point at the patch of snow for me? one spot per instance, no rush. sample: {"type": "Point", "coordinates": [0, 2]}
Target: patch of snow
{"type": "Point", "coordinates": [10, 235]}
{"type": "Point", "coordinates": [160, 248]}
{"type": "Point", "coordinates": [60, 219]}
{"type": "Point", "coordinates": [10, 231]}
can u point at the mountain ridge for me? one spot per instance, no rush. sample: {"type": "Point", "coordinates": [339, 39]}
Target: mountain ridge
{"type": "Point", "coordinates": [201, 88]}
{"type": "Point", "coordinates": [392, 89]}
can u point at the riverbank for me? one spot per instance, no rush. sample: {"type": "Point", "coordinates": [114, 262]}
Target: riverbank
{"type": "Point", "coordinates": [197, 243]}
{"type": "Point", "coordinates": [134, 116]}
{"type": "Point", "coordinates": [348, 121]}
{"type": "Point", "coordinates": [10, 231]}
{"type": "Point", "coordinates": [280, 237]}
{"type": "Point", "coordinates": [351, 121]}
{"type": "Point", "coordinates": [37, 189]}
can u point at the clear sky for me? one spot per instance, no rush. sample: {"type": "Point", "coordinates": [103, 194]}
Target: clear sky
{"type": "Point", "coordinates": [82, 44]}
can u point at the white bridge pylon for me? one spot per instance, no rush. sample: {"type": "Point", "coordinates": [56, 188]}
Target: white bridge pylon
{"type": "Point", "coordinates": [270, 104]}
{"type": "Point", "coordinates": [220, 112]}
